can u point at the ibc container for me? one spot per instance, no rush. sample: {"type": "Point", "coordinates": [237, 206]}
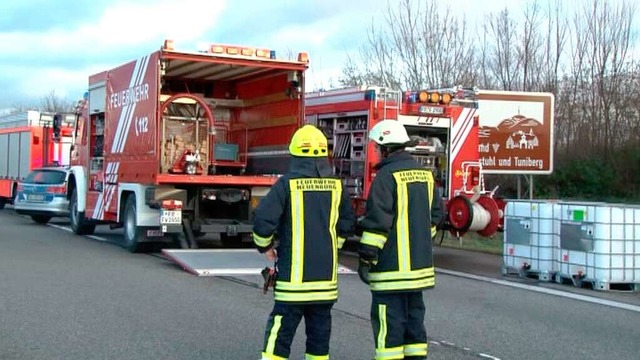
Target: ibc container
{"type": "Point", "coordinates": [599, 243]}
{"type": "Point", "coordinates": [530, 238]}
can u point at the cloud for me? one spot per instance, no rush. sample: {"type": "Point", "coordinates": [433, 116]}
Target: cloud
{"type": "Point", "coordinates": [62, 56]}
{"type": "Point", "coordinates": [123, 25]}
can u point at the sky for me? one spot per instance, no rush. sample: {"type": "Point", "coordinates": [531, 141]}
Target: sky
{"type": "Point", "coordinates": [55, 46]}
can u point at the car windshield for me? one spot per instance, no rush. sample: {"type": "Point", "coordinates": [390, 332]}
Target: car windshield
{"type": "Point", "coordinates": [49, 177]}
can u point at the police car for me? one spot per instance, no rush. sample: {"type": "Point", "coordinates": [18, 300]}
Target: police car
{"type": "Point", "coordinates": [43, 194]}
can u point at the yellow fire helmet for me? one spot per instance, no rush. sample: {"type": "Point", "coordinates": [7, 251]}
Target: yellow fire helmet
{"type": "Point", "coordinates": [308, 141]}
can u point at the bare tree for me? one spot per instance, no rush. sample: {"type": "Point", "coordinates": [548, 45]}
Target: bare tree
{"type": "Point", "coordinates": [419, 45]}
{"type": "Point", "coordinates": [503, 60]}
{"type": "Point", "coordinates": [582, 54]}
{"type": "Point", "coordinates": [53, 103]}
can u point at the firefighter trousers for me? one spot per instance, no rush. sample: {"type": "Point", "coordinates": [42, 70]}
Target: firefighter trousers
{"type": "Point", "coordinates": [398, 326]}
{"type": "Point", "coordinates": [283, 322]}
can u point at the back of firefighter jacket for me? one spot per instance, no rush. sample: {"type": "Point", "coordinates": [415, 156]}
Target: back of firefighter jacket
{"type": "Point", "coordinates": [312, 216]}
{"type": "Point", "coordinates": [401, 211]}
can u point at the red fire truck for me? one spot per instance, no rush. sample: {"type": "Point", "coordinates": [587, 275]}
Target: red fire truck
{"type": "Point", "coordinates": [444, 126]}
{"type": "Point", "coordinates": [177, 144]}
{"type": "Point", "coordinates": [28, 141]}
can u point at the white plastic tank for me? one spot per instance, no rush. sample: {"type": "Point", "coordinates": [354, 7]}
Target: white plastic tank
{"type": "Point", "coordinates": [599, 243]}
{"type": "Point", "coordinates": [531, 238]}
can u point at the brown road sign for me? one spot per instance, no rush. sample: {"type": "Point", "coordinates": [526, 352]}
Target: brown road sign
{"type": "Point", "coordinates": [516, 132]}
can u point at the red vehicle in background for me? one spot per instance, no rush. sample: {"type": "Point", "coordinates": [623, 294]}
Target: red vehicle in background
{"type": "Point", "coordinates": [444, 126]}
{"type": "Point", "coordinates": [30, 140]}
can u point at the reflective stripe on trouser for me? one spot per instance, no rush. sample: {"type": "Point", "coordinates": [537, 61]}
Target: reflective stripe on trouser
{"type": "Point", "coordinates": [283, 323]}
{"type": "Point", "coordinates": [397, 320]}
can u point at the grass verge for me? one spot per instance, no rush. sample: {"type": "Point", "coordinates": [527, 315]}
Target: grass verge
{"type": "Point", "coordinates": [473, 242]}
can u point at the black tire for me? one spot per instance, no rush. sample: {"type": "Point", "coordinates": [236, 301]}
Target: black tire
{"type": "Point", "coordinates": [132, 232]}
{"type": "Point", "coordinates": [79, 224]}
{"type": "Point", "coordinates": [3, 202]}
{"type": "Point", "coordinates": [41, 219]}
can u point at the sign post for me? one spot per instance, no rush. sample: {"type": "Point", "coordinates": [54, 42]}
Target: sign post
{"type": "Point", "coordinates": [516, 132]}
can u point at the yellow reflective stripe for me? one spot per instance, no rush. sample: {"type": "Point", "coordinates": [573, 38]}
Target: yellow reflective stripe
{"type": "Point", "coordinates": [390, 353]}
{"type": "Point", "coordinates": [341, 242]}
{"type": "Point", "coordinates": [297, 233]}
{"type": "Point", "coordinates": [403, 285]}
{"type": "Point", "coordinates": [273, 335]}
{"type": "Point", "coordinates": [373, 239]}
{"type": "Point", "coordinates": [434, 232]}
{"type": "Point", "coordinates": [402, 275]}
{"type": "Point", "coordinates": [336, 195]}
{"type": "Point", "coordinates": [382, 332]}
{"type": "Point", "coordinates": [418, 349]}
{"type": "Point", "coordinates": [262, 241]}
{"type": "Point", "coordinates": [402, 220]}
{"type": "Point", "coordinates": [306, 286]}
{"type": "Point", "coordinates": [316, 357]}
{"type": "Point", "coordinates": [306, 296]}
{"type": "Point", "coordinates": [266, 356]}
{"type": "Point", "coordinates": [430, 184]}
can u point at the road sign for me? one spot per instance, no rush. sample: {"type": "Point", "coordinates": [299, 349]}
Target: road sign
{"type": "Point", "coordinates": [516, 132]}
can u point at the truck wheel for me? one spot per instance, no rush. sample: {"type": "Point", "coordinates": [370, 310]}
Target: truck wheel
{"type": "Point", "coordinates": [3, 202]}
{"type": "Point", "coordinates": [132, 232]}
{"type": "Point", "coordinates": [79, 224]}
{"type": "Point", "coordinates": [41, 219]}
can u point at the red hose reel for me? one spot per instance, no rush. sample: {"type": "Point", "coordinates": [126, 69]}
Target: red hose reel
{"type": "Point", "coordinates": [483, 214]}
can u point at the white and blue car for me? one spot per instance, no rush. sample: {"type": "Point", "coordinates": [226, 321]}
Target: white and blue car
{"type": "Point", "coordinates": [43, 194]}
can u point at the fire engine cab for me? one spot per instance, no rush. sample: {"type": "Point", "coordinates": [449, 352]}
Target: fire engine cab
{"type": "Point", "coordinates": [443, 125]}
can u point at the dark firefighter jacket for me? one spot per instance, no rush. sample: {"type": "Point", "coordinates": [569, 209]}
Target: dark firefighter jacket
{"type": "Point", "coordinates": [401, 214]}
{"type": "Point", "coordinates": [312, 216]}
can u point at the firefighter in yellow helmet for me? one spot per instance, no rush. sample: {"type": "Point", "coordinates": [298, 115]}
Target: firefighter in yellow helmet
{"type": "Point", "coordinates": [395, 249]}
{"type": "Point", "coordinates": [311, 213]}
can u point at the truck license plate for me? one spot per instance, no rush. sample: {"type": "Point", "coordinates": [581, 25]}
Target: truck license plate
{"type": "Point", "coordinates": [434, 110]}
{"type": "Point", "coordinates": [171, 217]}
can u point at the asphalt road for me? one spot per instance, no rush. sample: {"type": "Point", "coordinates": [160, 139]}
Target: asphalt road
{"type": "Point", "coordinates": [69, 297]}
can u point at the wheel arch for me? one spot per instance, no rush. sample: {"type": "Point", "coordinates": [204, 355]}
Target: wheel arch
{"type": "Point", "coordinates": [79, 179]}
{"type": "Point", "coordinates": [145, 216]}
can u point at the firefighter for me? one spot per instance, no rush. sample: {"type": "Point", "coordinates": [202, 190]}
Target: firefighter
{"type": "Point", "coordinates": [312, 216]}
{"type": "Point", "coordinates": [395, 249]}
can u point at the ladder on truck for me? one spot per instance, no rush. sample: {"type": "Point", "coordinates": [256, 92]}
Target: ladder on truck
{"type": "Point", "coordinates": [391, 101]}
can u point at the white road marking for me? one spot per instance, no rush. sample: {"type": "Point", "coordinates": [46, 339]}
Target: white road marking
{"type": "Point", "coordinates": [538, 289]}
{"type": "Point", "coordinates": [543, 290]}
{"type": "Point", "coordinates": [99, 238]}
{"type": "Point", "coordinates": [60, 227]}
{"type": "Point", "coordinates": [488, 356]}
{"type": "Point", "coordinates": [66, 228]}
